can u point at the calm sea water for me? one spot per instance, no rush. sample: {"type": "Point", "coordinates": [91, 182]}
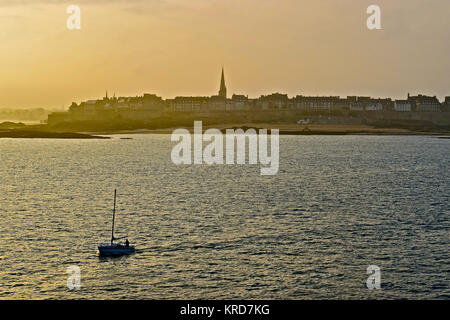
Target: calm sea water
{"type": "Point", "coordinates": [337, 205]}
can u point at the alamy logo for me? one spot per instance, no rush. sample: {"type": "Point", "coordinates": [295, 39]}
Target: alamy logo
{"type": "Point", "coordinates": [74, 279]}
{"type": "Point", "coordinates": [374, 280]}
{"type": "Point", "coordinates": [235, 140]}
{"type": "Point", "coordinates": [374, 20]}
{"type": "Point", "coordinates": [74, 20]}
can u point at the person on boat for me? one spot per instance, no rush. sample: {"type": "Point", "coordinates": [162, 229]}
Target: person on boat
{"type": "Point", "coordinates": [127, 243]}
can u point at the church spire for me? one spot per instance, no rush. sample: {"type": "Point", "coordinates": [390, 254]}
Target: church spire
{"type": "Point", "coordinates": [223, 88]}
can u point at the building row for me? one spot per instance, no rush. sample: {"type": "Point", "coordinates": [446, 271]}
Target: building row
{"type": "Point", "coordinates": [276, 101]}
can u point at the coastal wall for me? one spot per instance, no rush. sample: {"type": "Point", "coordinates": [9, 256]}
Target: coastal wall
{"type": "Point", "coordinates": [436, 118]}
{"type": "Point", "coordinates": [173, 119]}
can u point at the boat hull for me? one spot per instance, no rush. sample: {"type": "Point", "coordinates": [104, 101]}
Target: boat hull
{"type": "Point", "coordinates": [115, 250]}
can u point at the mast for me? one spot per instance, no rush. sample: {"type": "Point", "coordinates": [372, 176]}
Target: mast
{"type": "Point", "coordinates": [114, 215]}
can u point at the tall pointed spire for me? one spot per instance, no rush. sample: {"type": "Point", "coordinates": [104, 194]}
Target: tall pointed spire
{"type": "Point", "coordinates": [223, 88]}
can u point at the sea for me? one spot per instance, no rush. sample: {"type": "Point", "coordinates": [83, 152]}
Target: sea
{"type": "Point", "coordinates": [338, 206]}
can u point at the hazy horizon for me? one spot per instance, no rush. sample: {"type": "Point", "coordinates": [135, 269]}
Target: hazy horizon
{"type": "Point", "coordinates": [174, 48]}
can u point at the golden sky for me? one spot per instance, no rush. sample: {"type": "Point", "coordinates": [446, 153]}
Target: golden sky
{"type": "Point", "coordinates": [177, 47]}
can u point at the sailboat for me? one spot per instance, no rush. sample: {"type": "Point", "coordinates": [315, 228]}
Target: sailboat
{"type": "Point", "coordinates": [115, 249]}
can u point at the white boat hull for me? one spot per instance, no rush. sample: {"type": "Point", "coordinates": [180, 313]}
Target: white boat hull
{"type": "Point", "coordinates": [115, 250]}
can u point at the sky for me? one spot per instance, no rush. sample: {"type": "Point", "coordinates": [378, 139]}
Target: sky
{"type": "Point", "coordinates": [177, 47]}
